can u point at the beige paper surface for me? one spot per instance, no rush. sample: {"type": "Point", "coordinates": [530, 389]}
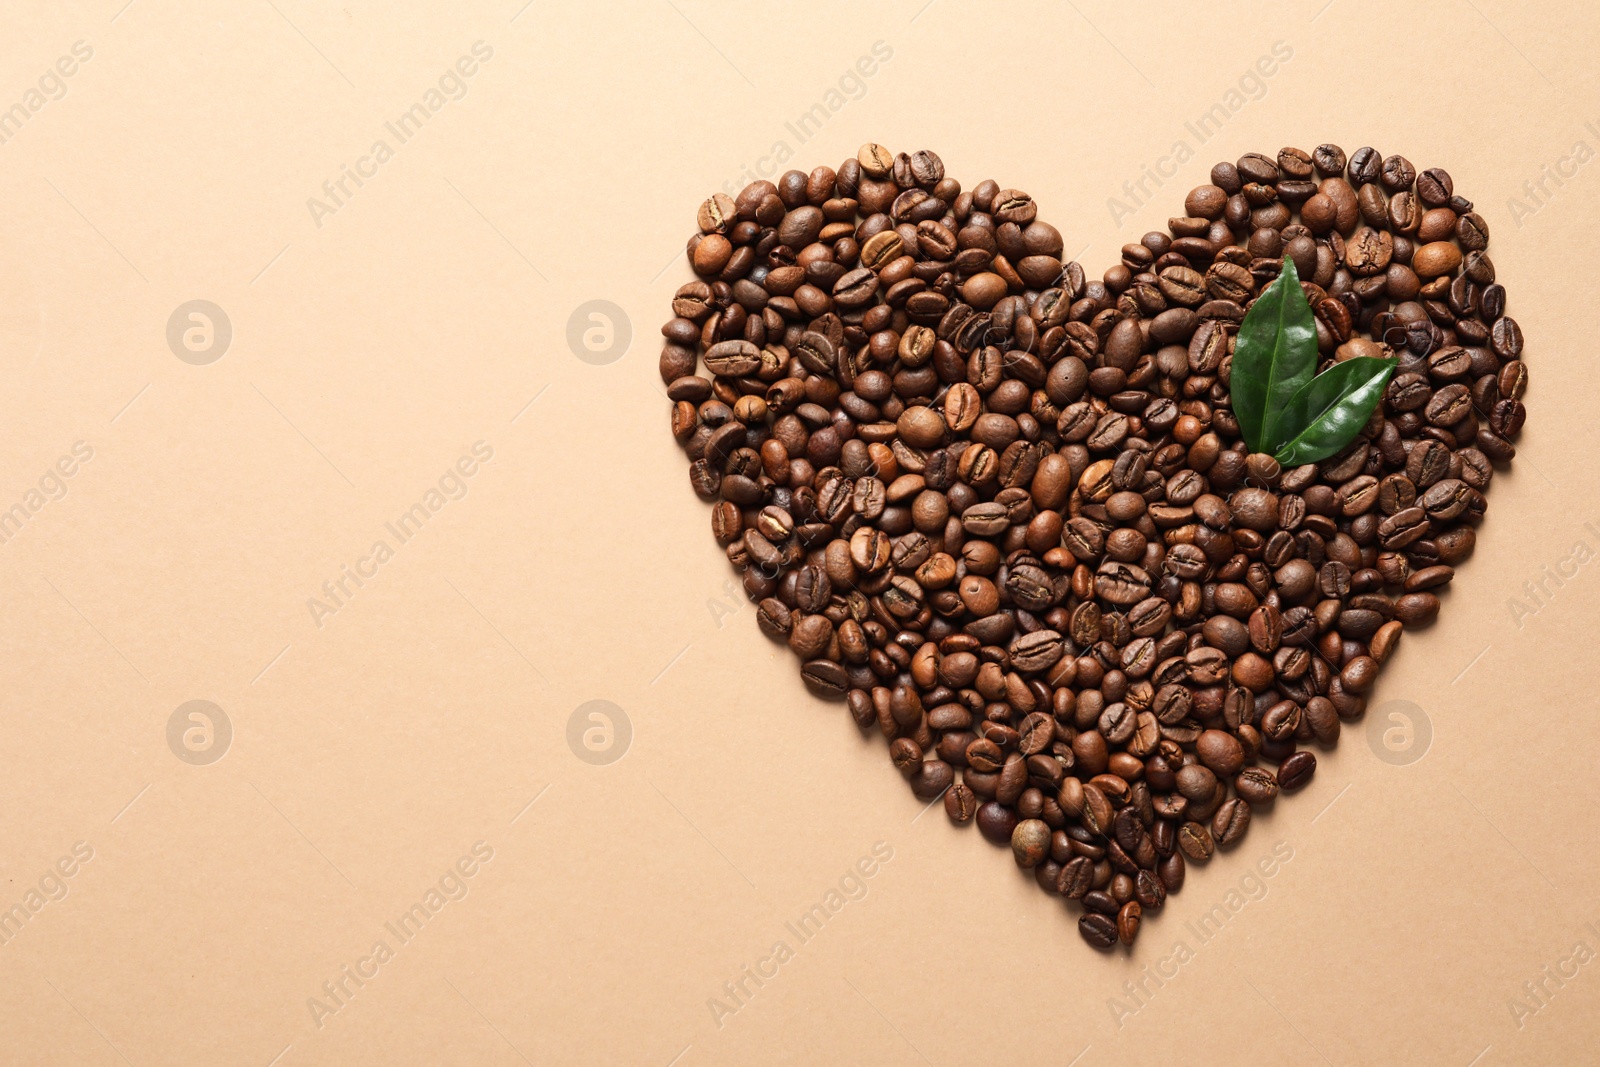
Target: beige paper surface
{"type": "Point", "coordinates": [396, 832]}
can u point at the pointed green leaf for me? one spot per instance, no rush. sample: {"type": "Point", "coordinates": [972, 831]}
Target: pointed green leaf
{"type": "Point", "coordinates": [1275, 355]}
{"type": "Point", "coordinates": [1328, 411]}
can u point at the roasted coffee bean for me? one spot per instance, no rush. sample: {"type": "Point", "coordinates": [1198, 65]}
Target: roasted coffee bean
{"type": "Point", "coordinates": [984, 755]}
{"type": "Point", "coordinates": [1035, 733]}
{"type": "Point", "coordinates": [1076, 878]}
{"type": "Point", "coordinates": [960, 803]}
{"type": "Point", "coordinates": [1030, 842]}
{"type": "Point", "coordinates": [1281, 721]}
{"type": "Point", "coordinates": [1402, 528]}
{"type": "Point", "coordinates": [1231, 821]}
{"type": "Point", "coordinates": [1321, 715]}
{"type": "Point", "coordinates": [1127, 829]}
{"type": "Point", "coordinates": [1102, 900]}
{"type": "Point", "coordinates": [1194, 839]}
{"type": "Point", "coordinates": [1397, 173]}
{"type": "Point", "coordinates": [1435, 187]}
{"type": "Point", "coordinates": [1128, 922]}
{"type": "Point", "coordinates": [1296, 770]}
{"type": "Point", "coordinates": [1148, 888]}
{"type": "Point", "coordinates": [1329, 159]}
{"type": "Point", "coordinates": [1446, 499]}
{"type": "Point", "coordinates": [1036, 651]}
{"type": "Point", "coordinates": [1416, 609]}
{"type": "Point", "coordinates": [1365, 165]}
{"type": "Point", "coordinates": [906, 754]}
{"type": "Point", "coordinates": [1197, 783]}
{"type": "Point", "coordinates": [1256, 786]}
{"type": "Point", "coordinates": [932, 778]}
{"type": "Point", "coordinates": [733, 358]}
{"type": "Point", "coordinates": [826, 678]}
{"type": "Point", "coordinates": [996, 821]}
{"type": "Point", "coordinates": [1098, 929]}
{"type": "Point", "coordinates": [1220, 752]}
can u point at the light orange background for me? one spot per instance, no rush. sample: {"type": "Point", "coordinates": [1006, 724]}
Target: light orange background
{"type": "Point", "coordinates": [376, 745]}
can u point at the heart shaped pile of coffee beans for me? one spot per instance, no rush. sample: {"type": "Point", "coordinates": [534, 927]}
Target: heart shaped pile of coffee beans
{"type": "Point", "coordinates": [1005, 512]}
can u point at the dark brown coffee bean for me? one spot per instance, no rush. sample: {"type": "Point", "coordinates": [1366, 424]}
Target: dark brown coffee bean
{"type": "Point", "coordinates": [1197, 783]}
{"type": "Point", "coordinates": [1446, 499]}
{"type": "Point", "coordinates": [1102, 900]}
{"type": "Point", "coordinates": [1220, 752]}
{"type": "Point", "coordinates": [1099, 930]}
{"type": "Point", "coordinates": [1194, 839]}
{"type": "Point", "coordinates": [1435, 187]}
{"type": "Point", "coordinates": [825, 678]}
{"type": "Point", "coordinates": [1037, 651]}
{"type": "Point", "coordinates": [1281, 721]}
{"type": "Point", "coordinates": [1077, 876]}
{"type": "Point", "coordinates": [773, 616]}
{"type": "Point", "coordinates": [996, 822]}
{"type": "Point", "coordinates": [1256, 786]}
{"type": "Point", "coordinates": [1397, 173]}
{"type": "Point", "coordinates": [733, 358]}
{"type": "Point", "coordinates": [1358, 675]}
{"type": "Point", "coordinates": [1231, 822]}
{"type": "Point", "coordinates": [1296, 770]}
{"type": "Point", "coordinates": [1321, 716]}
{"type": "Point", "coordinates": [1329, 159]}
{"type": "Point", "coordinates": [1402, 528]}
{"type": "Point", "coordinates": [984, 755]}
{"type": "Point", "coordinates": [1472, 231]}
{"type": "Point", "coordinates": [1149, 890]}
{"type": "Point", "coordinates": [932, 778]}
{"type": "Point", "coordinates": [1416, 609]}
{"type": "Point", "coordinates": [1036, 732]}
{"type": "Point", "coordinates": [960, 803]}
{"type": "Point", "coordinates": [1128, 922]}
{"type": "Point", "coordinates": [906, 754]}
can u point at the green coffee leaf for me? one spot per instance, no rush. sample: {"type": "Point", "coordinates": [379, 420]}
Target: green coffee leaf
{"type": "Point", "coordinates": [1276, 354]}
{"type": "Point", "coordinates": [1327, 412]}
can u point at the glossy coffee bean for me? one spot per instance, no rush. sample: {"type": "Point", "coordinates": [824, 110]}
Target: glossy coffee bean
{"type": "Point", "coordinates": [1128, 922]}
{"type": "Point", "coordinates": [1296, 770]}
{"type": "Point", "coordinates": [1099, 930]}
{"type": "Point", "coordinates": [996, 821]}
